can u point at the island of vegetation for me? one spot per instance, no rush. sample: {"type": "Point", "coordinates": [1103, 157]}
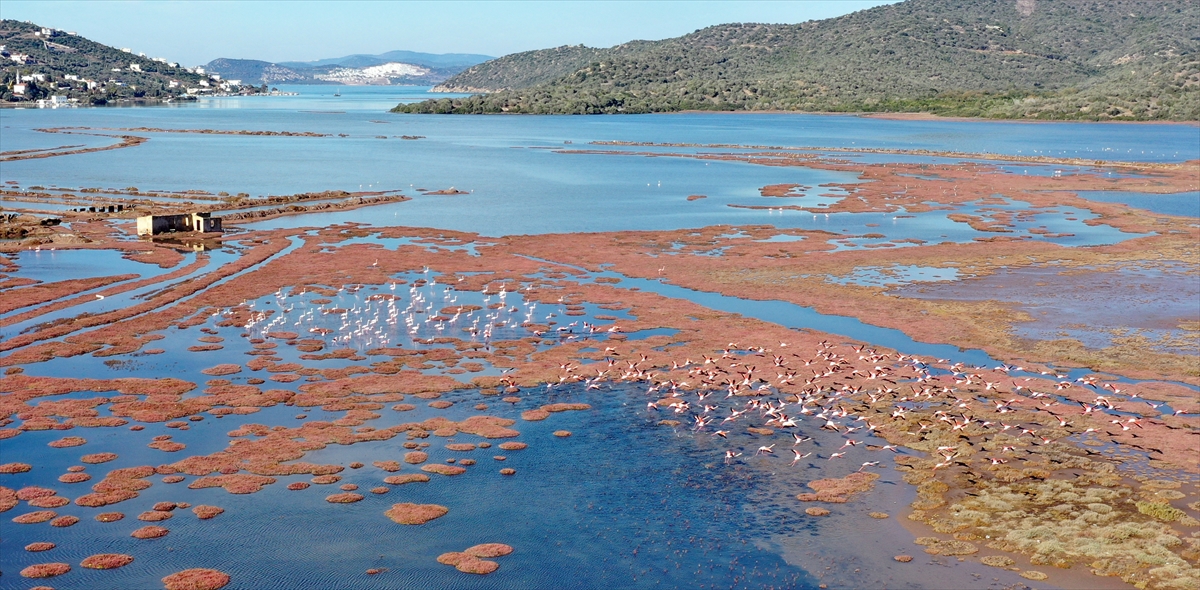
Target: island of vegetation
{"type": "Point", "coordinates": [1022, 59]}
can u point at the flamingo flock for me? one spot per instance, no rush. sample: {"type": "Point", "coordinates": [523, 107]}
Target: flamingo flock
{"type": "Point", "coordinates": [413, 312]}
{"type": "Point", "coordinates": [854, 397]}
{"type": "Point", "coordinates": [851, 390]}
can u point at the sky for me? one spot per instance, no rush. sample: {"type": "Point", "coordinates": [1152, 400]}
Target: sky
{"type": "Point", "coordinates": [196, 32]}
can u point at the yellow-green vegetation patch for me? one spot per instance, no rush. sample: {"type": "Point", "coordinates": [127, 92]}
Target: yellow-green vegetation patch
{"type": "Point", "coordinates": [996, 560]}
{"type": "Point", "coordinates": [1094, 520]}
{"type": "Point", "coordinates": [1160, 510]}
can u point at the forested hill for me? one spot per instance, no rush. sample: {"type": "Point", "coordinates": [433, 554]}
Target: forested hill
{"type": "Point", "coordinates": [1053, 59]}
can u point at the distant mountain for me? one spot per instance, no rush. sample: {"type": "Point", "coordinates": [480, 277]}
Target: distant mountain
{"type": "Point", "coordinates": [1053, 59]}
{"type": "Point", "coordinates": [429, 60]}
{"type": "Point", "coordinates": [38, 62]}
{"type": "Point", "coordinates": [393, 67]}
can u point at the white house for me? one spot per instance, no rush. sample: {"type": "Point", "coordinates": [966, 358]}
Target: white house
{"type": "Point", "coordinates": [19, 88]}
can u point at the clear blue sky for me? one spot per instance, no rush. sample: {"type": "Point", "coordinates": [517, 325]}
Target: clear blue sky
{"type": "Point", "coordinates": [195, 32]}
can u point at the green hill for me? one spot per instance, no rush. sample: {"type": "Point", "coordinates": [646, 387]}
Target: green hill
{"type": "Point", "coordinates": [38, 63]}
{"type": "Point", "coordinates": [1053, 59]}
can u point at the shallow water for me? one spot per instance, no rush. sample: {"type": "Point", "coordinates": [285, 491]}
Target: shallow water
{"type": "Point", "coordinates": [106, 266]}
{"type": "Point", "coordinates": [1186, 204]}
{"type": "Point", "coordinates": [7, 205]}
{"type": "Point", "coordinates": [900, 274]}
{"type": "Point", "coordinates": [600, 515]}
{"type": "Point", "coordinates": [1094, 306]}
{"type": "Point", "coordinates": [60, 265]}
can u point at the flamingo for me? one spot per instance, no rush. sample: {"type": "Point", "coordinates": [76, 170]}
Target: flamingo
{"type": "Point", "coordinates": [797, 457]}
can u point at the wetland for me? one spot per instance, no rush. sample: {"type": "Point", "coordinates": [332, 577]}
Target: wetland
{"type": "Point", "coordinates": [752, 350]}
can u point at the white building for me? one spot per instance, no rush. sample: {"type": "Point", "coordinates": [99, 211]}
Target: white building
{"type": "Point", "coordinates": [19, 89]}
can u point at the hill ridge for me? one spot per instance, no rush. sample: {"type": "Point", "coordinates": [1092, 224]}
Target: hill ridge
{"type": "Point", "coordinates": [1053, 59]}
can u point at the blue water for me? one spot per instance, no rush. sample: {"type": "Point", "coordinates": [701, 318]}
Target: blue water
{"type": "Point", "coordinates": [874, 276]}
{"type": "Point", "coordinates": [59, 265]}
{"type": "Point", "coordinates": [518, 190]}
{"type": "Point", "coordinates": [1186, 204]}
{"type": "Point", "coordinates": [597, 515]}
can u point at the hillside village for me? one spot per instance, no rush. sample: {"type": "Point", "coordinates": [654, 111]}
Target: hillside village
{"type": "Point", "coordinates": [52, 67]}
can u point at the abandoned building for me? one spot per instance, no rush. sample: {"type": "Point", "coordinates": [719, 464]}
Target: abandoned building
{"type": "Point", "coordinates": [153, 225]}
